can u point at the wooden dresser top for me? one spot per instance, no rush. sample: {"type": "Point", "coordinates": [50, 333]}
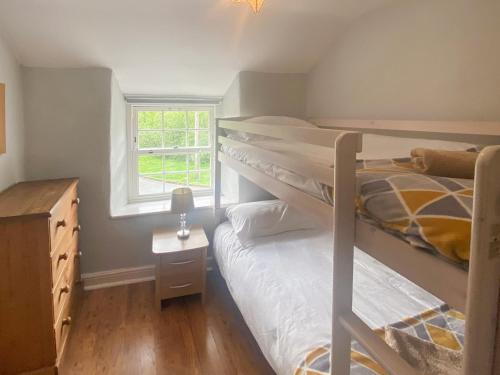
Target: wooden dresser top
{"type": "Point", "coordinates": [33, 198]}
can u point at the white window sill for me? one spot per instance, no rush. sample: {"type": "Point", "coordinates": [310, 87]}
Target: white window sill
{"type": "Point", "coordinates": [160, 207]}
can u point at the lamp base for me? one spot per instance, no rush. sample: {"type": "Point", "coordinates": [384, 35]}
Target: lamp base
{"type": "Point", "coordinates": [183, 234]}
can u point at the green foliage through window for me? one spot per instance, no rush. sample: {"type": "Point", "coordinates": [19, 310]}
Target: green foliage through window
{"type": "Point", "coordinates": [177, 143]}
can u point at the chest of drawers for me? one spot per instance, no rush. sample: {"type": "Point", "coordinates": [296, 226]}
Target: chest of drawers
{"type": "Point", "coordinates": [38, 268]}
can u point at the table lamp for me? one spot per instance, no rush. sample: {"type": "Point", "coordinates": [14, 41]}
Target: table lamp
{"type": "Point", "coordinates": [182, 203]}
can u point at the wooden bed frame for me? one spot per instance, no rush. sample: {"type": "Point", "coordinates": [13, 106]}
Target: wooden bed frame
{"type": "Point", "coordinates": [446, 281]}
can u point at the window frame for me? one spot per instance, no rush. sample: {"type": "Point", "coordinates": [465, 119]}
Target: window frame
{"type": "Point", "coordinates": [134, 152]}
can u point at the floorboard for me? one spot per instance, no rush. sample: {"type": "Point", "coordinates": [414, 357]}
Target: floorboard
{"type": "Point", "coordinates": [119, 331]}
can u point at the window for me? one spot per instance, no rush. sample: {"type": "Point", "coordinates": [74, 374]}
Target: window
{"type": "Point", "coordinates": [171, 147]}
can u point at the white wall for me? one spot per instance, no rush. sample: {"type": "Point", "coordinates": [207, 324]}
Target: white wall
{"type": "Point", "coordinates": [70, 116]}
{"type": "Point", "coordinates": [231, 103]}
{"type": "Point", "coordinates": [12, 162]}
{"type": "Point", "coordinates": [272, 94]}
{"type": "Point", "coordinates": [118, 159]}
{"type": "Point", "coordinates": [427, 60]}
{"type": "Point", "coordinates": [258, 94]}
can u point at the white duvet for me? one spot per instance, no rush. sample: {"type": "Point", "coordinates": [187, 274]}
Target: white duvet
{"type": "Point", "coordinates": [282, 286]}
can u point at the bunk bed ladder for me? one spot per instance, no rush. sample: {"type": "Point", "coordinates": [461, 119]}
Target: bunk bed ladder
{"type": "Point", "coordinates": [345, 324]}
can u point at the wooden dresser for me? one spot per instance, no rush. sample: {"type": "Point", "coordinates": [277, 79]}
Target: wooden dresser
{"type": "Point", "coordinates": [39, 259]}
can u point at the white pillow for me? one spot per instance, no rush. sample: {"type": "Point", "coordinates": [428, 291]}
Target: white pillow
{"type": "Point", "coordinates": [269, 120]}
{"type": "Point", "coordinates": [258, 219]}
{"type": "Point", "coordinates": [386, 147]}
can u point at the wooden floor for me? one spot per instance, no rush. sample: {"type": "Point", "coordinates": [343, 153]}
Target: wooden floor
{"type": "Point", "coordinates": [119, 331]}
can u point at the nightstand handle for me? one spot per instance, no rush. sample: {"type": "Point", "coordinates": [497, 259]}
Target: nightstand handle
{"type": "Point", "coordinates": [181, 263]}
{"type": "Point", "coordinates": [181, 286]}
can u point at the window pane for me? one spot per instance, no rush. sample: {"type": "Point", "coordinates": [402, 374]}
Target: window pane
{"type": "Point", "coordinates": [150, 184]}
{"type": "Point", "coordinates": [175, 138]}
{"type": "Point", "coordinates": [175, 163]}
{"type": "Point", "coordinates": [205, 160]}
{"type": "Point", "coordinates": [197, 138]}
{"type": "Point", "coordinates": [199, 161]}
{"type": "Point", "coordinates": [200, 179]}
{"type": "Point", "coordinates": [175, 119]}
{"type": "Point", "coordinates": [150, 164]}
{"type": "Point", "coordinates": [203, 120]}
{"type": "Point", "coordinates": [149, 120]}
{"type": "Point", "coordinates": [198, 120]}
{"type": "Point", "coordinates": [177, 179]}
{"type": "Point", "coordinates": [149, 139]}
{"type": "Point", "coordinates": [191, 120]}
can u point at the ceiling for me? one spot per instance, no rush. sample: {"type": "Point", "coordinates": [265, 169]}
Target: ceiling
{"type": "Point", "coordinates": [176, 47]}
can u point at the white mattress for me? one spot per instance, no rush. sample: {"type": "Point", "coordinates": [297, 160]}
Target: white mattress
{"type": "Point", "coordinates": [247, 155]}
{"type": "Point", "coordinates": [282, 286]}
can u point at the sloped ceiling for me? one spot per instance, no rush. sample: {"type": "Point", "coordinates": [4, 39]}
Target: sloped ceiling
{"type": "Point", "coordinates": [176, 47]}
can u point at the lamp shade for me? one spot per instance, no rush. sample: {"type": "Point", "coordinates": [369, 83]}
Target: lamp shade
{"type": "Point", "coordinates": [182, 201]}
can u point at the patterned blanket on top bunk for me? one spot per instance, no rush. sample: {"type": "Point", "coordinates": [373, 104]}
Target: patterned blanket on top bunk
{"type": "Point", "coordinates": [434, 213]}
{"type": "Point", "coordinates": [427, 211]}
{"type": "Point", "coordinates": [443, 327]}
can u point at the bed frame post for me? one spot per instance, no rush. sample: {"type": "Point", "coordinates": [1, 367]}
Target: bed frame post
{"type": "Point", "coordinates": [344, 186]}
{"type": "Point", "coordinates": [217, 165]}
{"type": "Point", "coordinates": [484, 270]}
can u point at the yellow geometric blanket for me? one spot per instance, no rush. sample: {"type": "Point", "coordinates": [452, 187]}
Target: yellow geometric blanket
{"type": "Point", "coordinates": [440, 326]}
{"type": "Point", "coordinates": [427, 211]}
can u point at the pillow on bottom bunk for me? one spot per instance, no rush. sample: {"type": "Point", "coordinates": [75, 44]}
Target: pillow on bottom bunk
{"type": "Point", "coordinates": [266, 218]}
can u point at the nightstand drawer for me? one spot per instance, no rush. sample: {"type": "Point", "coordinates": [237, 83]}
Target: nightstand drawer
{"type": "Point", "coordinates": [178, 267]}
{"type": "Point", "coordinates": [181, 286]}
{"type": "Point", "coordinates": [183, 256]}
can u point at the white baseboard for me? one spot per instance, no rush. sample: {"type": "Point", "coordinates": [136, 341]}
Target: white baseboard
{"type": "Point", "coordinates": [122, 276]}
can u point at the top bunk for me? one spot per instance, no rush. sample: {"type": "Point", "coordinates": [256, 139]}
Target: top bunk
{"type": "Point", "coordinates": [312, 168]}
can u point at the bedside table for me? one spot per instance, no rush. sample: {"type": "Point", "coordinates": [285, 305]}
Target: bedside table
{"type": "Point", "coordinates": [181, 265]}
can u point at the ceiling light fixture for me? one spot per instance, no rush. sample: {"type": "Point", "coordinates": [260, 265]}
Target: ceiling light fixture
{"type": "Point", "coordinates": [256, 5]}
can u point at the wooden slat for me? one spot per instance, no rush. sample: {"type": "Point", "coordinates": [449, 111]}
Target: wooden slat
{"type": "Point", "coordinates": [321, 211]}
{"type": "Point", "coordinates": [436, 127]}
{"type": "Point", "coordinates": [320, 137]}
{"type": "Point", "coordinates": [377, 347]}
{"type": "Point", "coordinates": [344, 196]}
{"type": "Point", "coordinates": [422, 268]}
{"type": "Point", "coordinates": [484, 269]}
{"type": "Point", "coordinates": [303, 167]}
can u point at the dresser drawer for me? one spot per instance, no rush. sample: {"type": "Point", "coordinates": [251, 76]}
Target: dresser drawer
{"type": "Point", "coordinates": [61, 257]}
{"type": "Point", "coordinates": [64, 217]}
{"type": "Point", "coordinates": [64, 288]}
{"type": "Point", "coordinates": [63, 324]}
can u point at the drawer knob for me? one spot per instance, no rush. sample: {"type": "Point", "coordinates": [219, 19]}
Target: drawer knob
{"type": "Point", "coordinates": [66, 321]}
{"type": "Point", "coordinates": [181, 286]}
{"type": "Point", "coordinates": [61, 223]}
{"type": "Point", "coordinates": [75, 201]}
{"type": "Point", "coordinates": [79, 254]}
{"type": "Point", "coordinates": [63, 256]}
{"type": "Point", "coordinates": [78, 228]}
{"type": "Point", "coordinates": [65, 289]}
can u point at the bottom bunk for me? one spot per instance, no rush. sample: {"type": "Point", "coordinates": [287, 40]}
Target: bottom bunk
{"type": "Point", "coordinates": [282, 286]}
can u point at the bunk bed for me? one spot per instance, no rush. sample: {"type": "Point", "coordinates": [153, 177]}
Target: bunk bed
{"type": "Point", "coordinates": [444, 279]}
